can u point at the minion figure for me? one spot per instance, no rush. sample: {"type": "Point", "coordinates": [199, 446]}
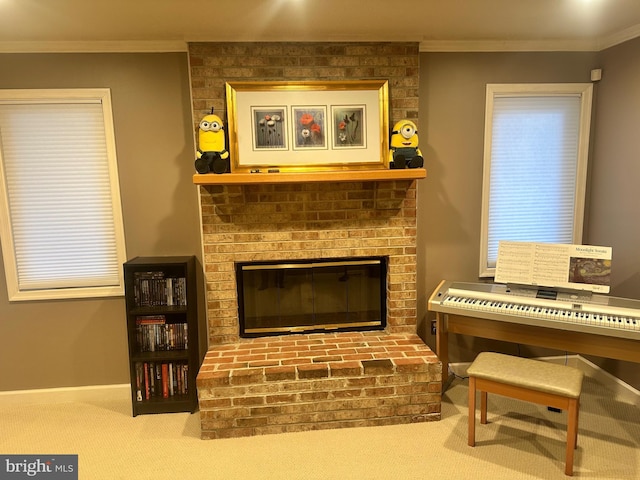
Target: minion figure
{"type": "Point", "coordinates": [404, 151]}
{"type": "Point", "coordinates": [212, 153]}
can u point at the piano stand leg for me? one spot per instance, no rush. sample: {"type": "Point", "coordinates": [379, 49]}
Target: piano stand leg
{"type": "Point", "coordinates": [442, 348]}
{"type": "Point", "coordinates": [446, 381]}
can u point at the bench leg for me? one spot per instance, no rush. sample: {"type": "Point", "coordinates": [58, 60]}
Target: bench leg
{"type": "Point", "coordinates": [577, 419]}
{"type": "Point", "coordinates": [572, 434]}
{"type": "Point", "coordinates": [472, 412]}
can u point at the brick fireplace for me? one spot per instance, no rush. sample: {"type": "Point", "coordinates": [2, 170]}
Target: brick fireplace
{"type": "Point", "coordinates": [317, 380]}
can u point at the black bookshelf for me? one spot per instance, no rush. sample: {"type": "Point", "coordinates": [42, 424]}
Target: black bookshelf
{"type": "Point", "coordinates": [162, 328]}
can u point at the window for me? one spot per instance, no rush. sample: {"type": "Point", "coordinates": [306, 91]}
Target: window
{"type": "Point", "coordinates": [535, 165]}
{"type": "Point", "coordinates": [60, 214]}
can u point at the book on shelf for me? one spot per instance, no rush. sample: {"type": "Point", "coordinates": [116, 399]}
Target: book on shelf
{"type": "Point", "coordinates": [171, 389]}
{"type": "Point", "coordinates": [152, 289]}
{"type": "Point", "coordinates": [153, 334]}
{"type": "Point", "coordinates": [161, 379]}
{"type": "Point", "coordinates": [139, 381]}
{"type": "Point", "coordinates": [147, 387]}
{"type": "Point", "coordinates": [165, 380]}
{"type": "Point", "coordinates": [157, 384]}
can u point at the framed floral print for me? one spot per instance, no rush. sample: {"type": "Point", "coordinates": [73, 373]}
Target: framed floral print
{"type": "Point", "coordinates": [307, 126]}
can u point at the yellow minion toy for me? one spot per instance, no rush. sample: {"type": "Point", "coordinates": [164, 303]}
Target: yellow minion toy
{"type": "Point", "coordinates": [404, 151]}
{"type": "Point", "coordinates": [212, 153]}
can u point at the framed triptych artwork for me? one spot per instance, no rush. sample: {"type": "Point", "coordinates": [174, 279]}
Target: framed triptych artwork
{"type": "Point", "coordinates": [305, 126]}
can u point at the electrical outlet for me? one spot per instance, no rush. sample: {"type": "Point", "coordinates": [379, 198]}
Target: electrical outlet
{"type": "Point", "coordinates": [433, 327]}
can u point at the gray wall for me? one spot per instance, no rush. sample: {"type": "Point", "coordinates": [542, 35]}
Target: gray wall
{"type": "Point", "coordinates": [452, 100]}
{"type": "Point", "coordinates": [83, 342]}
{"type": "Point", "coordinates": [614, 209]}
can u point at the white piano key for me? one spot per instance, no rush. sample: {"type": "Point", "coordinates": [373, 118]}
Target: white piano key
{"type": "Point", "coordinates": [509, 298]}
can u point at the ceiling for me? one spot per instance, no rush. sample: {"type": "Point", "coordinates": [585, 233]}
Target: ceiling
{"type": "Point", "coordinates": [446, 25]}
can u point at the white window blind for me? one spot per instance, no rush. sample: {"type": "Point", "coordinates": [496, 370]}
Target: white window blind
{"type": "Point", "coordinates": [536, 143]}
{"type": "Point", "coordinates": [62, 236]}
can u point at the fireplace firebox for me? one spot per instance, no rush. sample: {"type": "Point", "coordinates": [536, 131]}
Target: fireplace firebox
{"type": "Point", "coordinates": [295, 296]}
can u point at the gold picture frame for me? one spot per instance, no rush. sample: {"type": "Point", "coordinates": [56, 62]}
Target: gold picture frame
{"type": "Point", "coordinates": [308, 126]}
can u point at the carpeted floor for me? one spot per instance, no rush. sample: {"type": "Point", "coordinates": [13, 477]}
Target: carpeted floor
{"type": "Point", "coordinates": [521, 441]}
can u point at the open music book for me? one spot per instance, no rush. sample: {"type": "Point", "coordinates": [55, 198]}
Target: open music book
{"type": "Point", "coordinates": [558, 266]}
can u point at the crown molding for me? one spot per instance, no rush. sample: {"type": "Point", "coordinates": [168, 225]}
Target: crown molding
{"type": "Point", "coordinates": [164, 46]}
{"type": "Point", "coordinates": [588, 45]}
{"type": "Point", "coordinates": [283, 37]}
{"type": "Point", "coordinates": [619, 37]}
{"type": "Point", "coordinates": [94, 46]}
{"type": "Point", "coordinates": [509, 46]}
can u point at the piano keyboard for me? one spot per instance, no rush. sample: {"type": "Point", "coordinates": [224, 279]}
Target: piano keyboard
{"type": "Point", "coordinates": [610, 315]}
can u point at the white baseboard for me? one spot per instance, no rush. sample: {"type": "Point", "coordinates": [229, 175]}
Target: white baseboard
{"type": "Point", "coordinates": [67, 394]}
{"type": "Point", "coordinates": [623, 391]}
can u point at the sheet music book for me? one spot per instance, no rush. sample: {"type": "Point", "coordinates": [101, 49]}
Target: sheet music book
{"type": "Point", "coordinates": [574, 267]}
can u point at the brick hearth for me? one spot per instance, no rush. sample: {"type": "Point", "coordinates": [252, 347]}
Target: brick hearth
{"type": "Point", "coordinates": [317, 381]}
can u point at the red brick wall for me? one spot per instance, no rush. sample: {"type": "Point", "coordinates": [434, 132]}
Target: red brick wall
{"type": "Point", "coordinates": [213, 64]}
{"type": "Point", "coordinates": [280, 222]}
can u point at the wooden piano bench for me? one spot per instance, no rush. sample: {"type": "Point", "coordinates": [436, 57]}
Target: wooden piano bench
{"type": "Point", "coordinates": [553, 385]}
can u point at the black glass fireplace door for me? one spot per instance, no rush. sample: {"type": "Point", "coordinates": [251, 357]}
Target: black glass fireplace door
{"type": "Point", "coordinates": [305, 296]}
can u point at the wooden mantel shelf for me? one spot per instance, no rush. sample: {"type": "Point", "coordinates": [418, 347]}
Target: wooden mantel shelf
{"type": "Point", "coordinates": [307, 177]}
